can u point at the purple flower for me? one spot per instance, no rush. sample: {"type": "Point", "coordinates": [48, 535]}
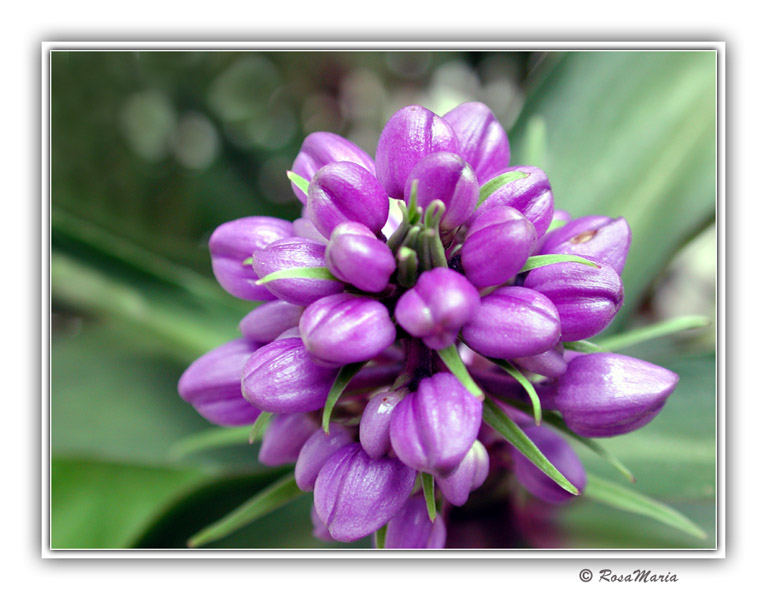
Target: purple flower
{"type": "Point", "coordinates": [412, 133]}
{"type": "Point", "coordinates": [304, 228]}
{"type": "Point", "coordinates": [322, 148]}
{"type": "Point", "coordinates": [376, 420]}
{"type": "Point", "coordinates": [550, 363]}
{"type": "Point", "coordinates": [292, 253]}
{"type": "Point", "coordinates": [343, 329]}
{"type": "Point", "coordinates": [282, 378]}
{"type": "Point", "coordinates": [212, 385]}
{"type": "Point", "coordinates": [470, 474]}
{"type": "Point", "coordinates": [265, 323]}
{"type": "Point", "coordinates": [561, 455]}
{"type": "Point", "coordinates": [433, 428]}
{"type": "Point", "coordinates": [344, 191]}
{"type": "Point", "coordinates": [355, 255]}
{"type": "Point", "coordinates": [601, 239]}
{"type": "Point", "coordinates": [482, 139]}
{"type": "Point", "coordinates": [603, 395]}
{"type": "Point", "coordinates": [316, 451]}
{"type": "Point", "coordinates": [512, 322]}
{"type": "Point", "coordinates": [354, 495]}
{"type": "Point", "coordinates": [441, 302]}
{"type": "Point", "coordinates": [445, 176]}
{"type": "Point", "coordinates": [498, 243]}
{"type": "Point", "coordinates": [284, 438]}
{"type": "Point", "coordinates": [236, 241]}
{"type": "Point", "coordinates": [586, 298]}
{"type": "Point", "coordinates": [411, 527]}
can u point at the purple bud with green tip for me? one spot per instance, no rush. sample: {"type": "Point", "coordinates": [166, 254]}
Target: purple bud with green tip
{"type": "Point", "coordinates": [587, 298]}
{"type": "Point", "coordinates": [234, 242]}
{"type": "Point", "coordinates": [291, 253]}
{"type": "Point", "coordinates": [482, 138]}
{"type": "Point", "coordinates": [411, 527]}
{"type": "Point", "coordinates": [355, 495]}
{"type": "Point", "coordinates": [284, 438]}
{"type": "Point", "coordinates": [265, 323]}
{"type": "Point", "coordinates": [355, 255]}
{"type": "Point", "coordinates": [316, 451]}
{"type": "Point", "coordinates": [498, 243]}
{"type": "Point", "coordinates": [376, 420]}
{"type": "Point", "coordinates": [561, 455]}
{"type": "Point", "coordinates": [282, 378]}
{"type": "Point", "coordinates": [212, 385]}
{"type": "Point", "coordinates": [433, 428]}
{"type": "Point", "coordinates": [445, 176]}
{"type": "Point", "coordinates": [412, 133]}
{"type": "Point", "coordinates": [512, 322]}
{"type": "Point", "coordinates": [343, 329]}
{"type": "Point", "coordinates": [603, 394]}
{"type": "Point", "coordinates": [344, 191]}
{"type": "Point", "coordinates": [469, 475]}
{"type": "Point", "coordinates": [322, 148]}
{"type": "Point", "coordinates": [441, 302]}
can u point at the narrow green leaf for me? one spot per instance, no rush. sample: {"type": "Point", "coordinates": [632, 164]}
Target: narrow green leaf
{"type": "Point", "coordinates": [551, 259]}
{"type": "Point", "coordinates": [298, 273]}
{"type": "Point", "coordinates": [584, 346]}
{"type": "Point", "coordinates": [525, 383]}
{"type": "Point", "coordinates": [498, 420]}
{"type": "Point", "coordinates": [276, 495]}
{"type": "Point", "coordinates": [247, 261]}
{"type": "Point", "coordinates": [497, 183]}
{"type": "Point", "coordinates": [300, 182]}
{"type": "Point", "coordinates": [453, 361]}
{"type": "Point", "coordinates": [643, 334]}
{"type": "Point", "coordinates": [343, 378]}
{"type": "Point", "coordinates": [219, 437]}
{"type": "Point", "coordinates": [622, 498]}
{"type": "Point", "coordinates": [381, 538]}
{"type": "Point", "coordinates": [259, 426]}
{"type": "Point", "coordinates": [427, 482]}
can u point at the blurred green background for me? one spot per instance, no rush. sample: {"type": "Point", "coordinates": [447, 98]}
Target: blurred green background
{"type": "Point", "coordinates": [150, 151]}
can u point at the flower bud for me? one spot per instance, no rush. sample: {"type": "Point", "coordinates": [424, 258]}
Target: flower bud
{"type": "Point", "coordinates": [530, 195]}
{"type": "Point", "coordinates": [236, 241]}
{"type": "Point", "coordinates": [549, 364]}
{"type": "Point", "coordinates": [376, 419]}
{"type": "Point", "coordinates": [603, 395]}
{"type": "Point", "coordinates": [355, 255]}
{"type": "Point", "coordinates": [411, 527]}
{"type": "Point", "coordinates": [319, 529]}
{"type": "Point", "coordinates": [469, 475]}
{"type": "Point", "coordinates": [343, 329]}
{"type": "Point", "coordinates": [447, 177]}
{"type": "Point", "coordinates": [482, 139]}
{"type": "Point", "coordinates": [355, 495]}
{"type": "Point", "coordinates": [601, 239]}
{"type": "Point", "coordinates": [441, 302]}
{"type": "Point", "coordinates": [212, 385]}
{"type": "Point", "coordinates": [292, 253]}
{"type": "Point", "coordinates": [344, 191]}
{"type": "Point", "coordinates": [433, 428]}
{"type": "Point", "coordinates": [561, 455]}
{"type": "Point", "coordinates": [412, 133]}
{"type": "Point", "coordinates": [511, 323]}
{"type": "Point", "coordinates": [316, 451]}
{"type": "Point", "coordinates": [498, 243]}
{"type": "Point", "coordinates": [587, 298]}
{"type": "Point", "coordinates": [284, 438]}
{"type": "Point", "coordinates": [265, 323]}
{"type": "Point", "coordinates": [322, 148]}
{"type": "Point", "coordinates": [282, 378]}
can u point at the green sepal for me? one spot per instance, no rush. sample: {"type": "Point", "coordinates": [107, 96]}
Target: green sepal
{"type": "Point", "coordinates": [298, 273]}
{"type": "Point", "coordinates": [493, 416]}
{"type": "Point", "coordinates": [220, 437]}
{"type": "Point", "coordinates": [497, 183]}
{"type": "Point", "coordinates": [556, 224]}
{"type": "Point", "coordinates": [656, 330]}
{"type": "Point", "coordinates": [381, 537]}
{"type": "Point", "coordinates": [453, 361]}
{"type": "Point", "coordinates": [543, 260]}
{"type": "Point", "coordinates": [276, 495]}
{"type": "Point", "coordinates": [584, 347]}
{"type": "Point", "coordinates": [259, 426]}
{"type": "Point", "coordinates": [301, 183]}
{"type": "Point", "coordinates": [427, 482]}
{"type": "Point", "coordinates": [248, 261]}
{"type": "Point", "coordinates": [343, 378]}
{"type": "Point", "coordinates": [525, 383]}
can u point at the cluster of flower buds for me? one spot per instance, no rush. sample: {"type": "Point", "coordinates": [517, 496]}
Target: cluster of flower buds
{"type": "Point", "coordinates": [416, 288]}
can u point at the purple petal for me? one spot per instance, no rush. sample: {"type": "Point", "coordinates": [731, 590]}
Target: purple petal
{"type": "Point", "coordinates": [469, 475]}
{"type": "Point", "coordinates": [376, 419]}
{"type": "Point", "coordinates": [284, 438]}
{"type": "Point", "coordinates": [316, 451]}
{"type": "Point", "coordinates": [411, 527]}
{"type": "Point", "coordinates": [265, 323]}
{"type": "Point", "coordinates": [356, 256]}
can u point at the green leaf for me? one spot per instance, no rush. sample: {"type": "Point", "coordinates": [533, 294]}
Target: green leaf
{"type": "Point", "coordinates": [584, 347]}
{"type": "Point", "coordinates": [427, 482]}
{"type": "Point", "coordinates": [298, 273]}
{"type": "Point", "coordinates": [620, 497]}
{"type": "Point", "coordinates": [656, 330]}
{"type": "Point", "coordinates": [343, 378]}
{"type": "Point", "coordinates": [269, 499]}
{"type": "Point", "coordinates": [525, 383]}
{"type": "Point", "coordinates": [453, 361]}
{"type": "Point", "coordinates": [301, 183]}
{"type": "Point", "coordinates": [497, 183]}
{"type": "Point", "coordinates": [210, 438]}
{"type": "Point", "coordinates": [381, 538]}
{"type": "Point", "coordinates": [257, 431]}
{"type": "Point", "coordinates": [551, 259]}
{"type": "Point", "coordinates": [498, 420]}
